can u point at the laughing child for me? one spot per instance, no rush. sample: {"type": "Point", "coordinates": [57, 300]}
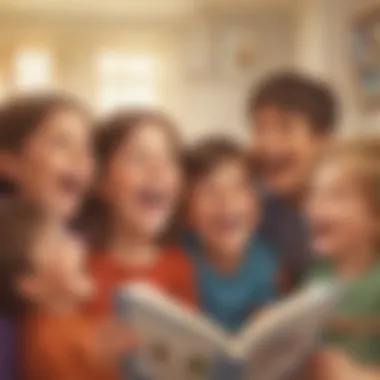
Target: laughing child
{"type": "Point", "coordinates": [139, 183]}
{"type": "Point", "coordinates": [344, 213]}
{"type": "Point", "coordinates": [292, 119]}
{"type": "Point", "coordinates": [45, 158]}
{"type": "Point", "coordinates": [45, 146]}
{"type": "Point", "coordinates": [43, 283]}
{"type": "Point", "coordinates": [236, 270]}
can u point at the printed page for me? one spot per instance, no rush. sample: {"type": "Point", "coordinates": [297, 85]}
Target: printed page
{"type": "Point", "coordinates": [174, 343]}
{"type": "Point", "coordinates": [280, 340]}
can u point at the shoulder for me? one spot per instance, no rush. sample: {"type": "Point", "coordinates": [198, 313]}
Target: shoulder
{"type": "Point", "coordinates": [263, 249]}
{"type": "Point", "coordinates": [175, 255]}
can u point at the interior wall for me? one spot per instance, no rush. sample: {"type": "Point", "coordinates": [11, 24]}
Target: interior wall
{"type": "Point", "coordinates": [213, 102]}
{"type": "Point", "coordinates": [323, 49]}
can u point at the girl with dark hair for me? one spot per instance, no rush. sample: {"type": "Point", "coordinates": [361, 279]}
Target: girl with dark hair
{"type": "Point", "coordinates": [138, 187]}
{"type": "Point", "coordinates": [45, 148]}
{"type": "Point", "coordinates": [44, 158]}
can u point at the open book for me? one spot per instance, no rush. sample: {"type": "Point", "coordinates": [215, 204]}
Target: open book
{"type": "Point", "coordinates": [180, 344]}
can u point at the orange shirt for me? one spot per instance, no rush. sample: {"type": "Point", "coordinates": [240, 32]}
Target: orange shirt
{"type": "Point", "coordinates": [62, 347]}
{"type": "Point", "coordinates": [172, 272]}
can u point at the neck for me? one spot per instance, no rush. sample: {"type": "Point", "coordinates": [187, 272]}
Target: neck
{"type": "Point", "coordinates": [355, 262]}
{"type": "Point", "coordinates": [132, 250]}
{"type": "Point", "coordinates": [225, 262]}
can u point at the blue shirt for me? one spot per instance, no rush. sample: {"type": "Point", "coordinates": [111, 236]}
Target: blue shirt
{"type": "Point", "coordinates": [231, 299]}
{"type": "Point", "coordinates": [285, 228]}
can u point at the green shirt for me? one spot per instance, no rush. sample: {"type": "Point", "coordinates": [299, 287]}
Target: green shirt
{"type": "Point", "coordinates": [362, 300]}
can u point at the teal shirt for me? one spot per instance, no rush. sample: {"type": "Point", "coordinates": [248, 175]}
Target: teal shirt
{"type": "Point", "coordinates": [361, 301]}
{"type": "Point", "coordinates": [231, 299]}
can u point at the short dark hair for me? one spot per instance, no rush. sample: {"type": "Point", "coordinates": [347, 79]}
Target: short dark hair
{"type": "Point", "coordinates": [207, 155]}
{"type": "Point", "coordinates": [22, 115]}
{"type": "Point", "coordinates": [20, 221]}
{"type": "Point", "coordinates": [292, 91]}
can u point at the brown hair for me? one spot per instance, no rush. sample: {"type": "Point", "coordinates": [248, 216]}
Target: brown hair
{"type": "Point", "coordinates": [363, 156]}
{"type": "Point", "coordinates": [204, 157]}
{"type": "Point", "coordinates": [19, 223]}
{"type": "Point", "coordinates": [294, 92]}
{"type": "Point", "coordinates": [21, 116]}
{"type": "Point", "coordinates": [111, 132]}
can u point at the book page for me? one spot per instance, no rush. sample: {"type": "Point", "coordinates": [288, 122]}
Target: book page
{"type": "Point", "coordinates": [174, 343]}
{"type": "Point", "coordinates": [281, 339]}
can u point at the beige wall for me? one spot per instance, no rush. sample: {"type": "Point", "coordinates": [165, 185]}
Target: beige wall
{"type": "Point", "coordinates": [212, 103]}
{"type": "Point", "coordinates": [312, 37]}
{"type": "Point", "coordinates": [323, 49]}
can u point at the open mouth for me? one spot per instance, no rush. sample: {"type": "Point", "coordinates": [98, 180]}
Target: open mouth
{"type": "Point", "coordinates": [71, 184]}
{"type": "Point", "coordinates": [152, 198]}
{"type": "Point", "coordinates": [228, 224]}
{"type": "Point", "coordinates": [321, 230]}
{"type": "Point", "coordinates": [277, 165]}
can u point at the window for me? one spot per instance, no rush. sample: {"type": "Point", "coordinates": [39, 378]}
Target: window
{"type": "Point", "coordinates": [125, 79]}
{"type": "Point", "coordinates": [32, 69]}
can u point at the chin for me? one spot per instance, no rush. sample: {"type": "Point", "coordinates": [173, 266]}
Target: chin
{"type": "Point", "coordinates": [279, 187]}
{"type": "Point", "coordinates": [324, 249]}
{"type": "Point", "coordinates": [154, 230]}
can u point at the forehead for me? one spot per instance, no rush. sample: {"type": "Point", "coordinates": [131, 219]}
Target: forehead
{"type": "Point", "coordinates": [337, 170]}
{"type": "Point", "coordinates": [68, 120]}
{"type": "Point", "coordinates": [151, 133]}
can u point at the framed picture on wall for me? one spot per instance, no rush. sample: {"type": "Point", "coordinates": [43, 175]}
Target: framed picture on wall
{"type": "Point", "coordinates": [237, 51]}
{"type": "Point", "coordinates": [365, 47]}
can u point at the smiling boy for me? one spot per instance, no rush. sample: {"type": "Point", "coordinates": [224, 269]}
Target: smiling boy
{"type": "Point", "coordinates": [292, 119]}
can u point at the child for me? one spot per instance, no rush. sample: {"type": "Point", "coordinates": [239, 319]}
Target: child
{"type": "Point", "coordinates": [45, 146]}
{"type": "Point", "coordinates": [236, 270]}
{"type": "Point", "coordinates": [44, 157]}
{"type": "Point", "coordinates": [344, 214]}
{"type": "Point", "coordinates": [292, 117]}
{"type": "Point", "coordinates": [138, 185]}
{"type": "Point", "coordinates": [43, 284]}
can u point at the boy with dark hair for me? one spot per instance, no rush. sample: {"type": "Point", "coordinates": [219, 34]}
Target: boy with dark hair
{"type": "Point", "coordinates": [236, 271]}
{"type": "Point", "coordinates": [292, 119]}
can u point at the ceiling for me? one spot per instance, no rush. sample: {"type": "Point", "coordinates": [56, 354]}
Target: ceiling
{"type": "Point", "coordinates": [138, 8]}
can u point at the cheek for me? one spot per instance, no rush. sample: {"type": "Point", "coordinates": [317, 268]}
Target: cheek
{"type": "Point", "coordinates": [39, 169]}
{"type": "Point", "coordinates": [122, 183]}
{"type": "Point", "coordinates": [200, 212]}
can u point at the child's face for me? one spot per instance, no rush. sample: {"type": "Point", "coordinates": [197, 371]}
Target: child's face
{"type": "Point", "coordinates": [223, 209]}
{"type": "Point", "coordinates": [55, 164]}
{"type": "Point", "coordinates": [58, 268]}
{"type": "Point", "coordinates": [143, 181]}
{"type": "Point", "coordinates": [285, 148]}
{"type": "Point", "coordinates": [340, 218]}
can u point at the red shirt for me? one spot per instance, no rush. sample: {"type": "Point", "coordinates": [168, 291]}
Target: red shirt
{"type": "Point", "coordinates": [62, 347]}
{"type": "Point", "coordinates": [172, 272]}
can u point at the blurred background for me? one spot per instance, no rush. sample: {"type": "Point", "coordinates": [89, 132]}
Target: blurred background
{"type": "Point", "coordinates": [195, 58]}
